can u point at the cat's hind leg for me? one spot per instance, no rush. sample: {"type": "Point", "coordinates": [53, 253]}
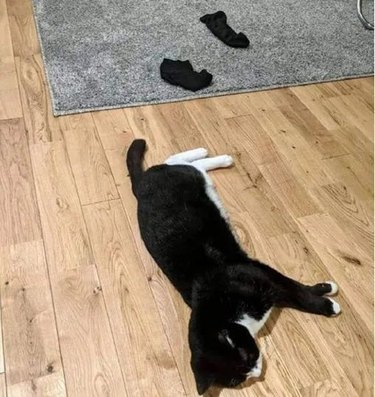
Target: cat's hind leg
{"type": "Point", "coordinates": [303, 298]}
{"type": "Point", "coordinates": [211, 163]}
{"type": "Point", "coordinates": [188, 156]}
{"type": "Point", "coordinates": [319, 305]}
{"type": "Point", "coordinates": [291, 293]}
{"type": "Point", "coordinates": [326, 288]}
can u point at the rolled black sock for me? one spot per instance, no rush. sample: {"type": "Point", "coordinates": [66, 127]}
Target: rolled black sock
{"type": "Point", "coordinates": [181, 73]}
{"type": "Point", "coordinates": [217, 23]}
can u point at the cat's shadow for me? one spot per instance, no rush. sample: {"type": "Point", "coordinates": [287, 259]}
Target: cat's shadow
{"type": "Point", "coordinates": [275, 314]}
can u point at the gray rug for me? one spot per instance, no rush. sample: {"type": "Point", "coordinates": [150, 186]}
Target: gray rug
{"type": "Point", "coordinates": [103, 54]}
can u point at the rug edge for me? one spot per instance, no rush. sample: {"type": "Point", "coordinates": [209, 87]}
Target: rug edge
{"type": "Point", "coordinates": [58, 113]}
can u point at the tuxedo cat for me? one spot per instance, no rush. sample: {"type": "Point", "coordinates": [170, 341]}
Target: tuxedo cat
{"type": "Point", "coordinates": [185, 228]}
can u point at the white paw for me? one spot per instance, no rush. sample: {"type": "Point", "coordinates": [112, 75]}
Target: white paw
{"type": "Point", "coordinates": [227, 160]}
{"type": "Point", "coordinates": [188, 156]}
{"type": "Point", "coordinates": [335, 307]}
{"type": "Point", "coordinates": [334, 288]}
{"type": "Point", "coordinates": [200, 153]}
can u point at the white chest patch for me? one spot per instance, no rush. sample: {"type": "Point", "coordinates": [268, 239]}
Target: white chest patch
{"type": "Point", "coordinates": [213, 196]}
{"type": "Point", "coordinates": [253, 325]}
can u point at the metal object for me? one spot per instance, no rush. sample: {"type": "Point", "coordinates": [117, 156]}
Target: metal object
{"type": "Point", "coordinates": [364, 21]}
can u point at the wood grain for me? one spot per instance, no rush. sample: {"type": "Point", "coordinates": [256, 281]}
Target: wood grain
{"type": "Point", "coordinates": [36, 102]}
{"type": "Point", "coordinates": [18, 208]}
{"type": "Point", "coordinates": [10, 104]}
{"type": "Point", "coordinates": [349, 110]}
{"type": "Point", "coordinates": [88, 351]}
{"type": "Point", "coordinates": [90, 166]}
{"type": "Point", "coordinates": [2, 364]}
{"type": "Point", "coordinates": [90, 359]}
{"type": "Point", "coordinates": [113, 128]}
{"type": "Point", "coordinates": [3, 391]}
{"type": "Point", "coordinates": [30, 338]}
{"type": "Point", "coordinates": [61, 214]}
{"type": "Point", "coordinates": [21, 21]}
{"type": "Point", "coordinates": [144, 352]}
{"type": "Point", "coordinates": [46, 386]}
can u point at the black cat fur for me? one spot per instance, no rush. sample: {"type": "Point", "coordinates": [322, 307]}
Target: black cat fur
{"type": "Point", "coordinates": [194, 246]}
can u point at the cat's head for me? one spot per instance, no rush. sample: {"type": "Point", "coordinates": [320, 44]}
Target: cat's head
{"type": "Point", "coordinates": [224, 357]}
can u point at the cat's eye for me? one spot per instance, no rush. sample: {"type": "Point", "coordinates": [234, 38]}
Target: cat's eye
{"type": "Point", "coordinates": [225, 338]}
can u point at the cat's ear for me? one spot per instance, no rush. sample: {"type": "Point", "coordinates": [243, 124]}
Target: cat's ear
{"type": "Point", "coordinates": [203, 378]}
{"type": "Point", "coordinates": [224, 338]}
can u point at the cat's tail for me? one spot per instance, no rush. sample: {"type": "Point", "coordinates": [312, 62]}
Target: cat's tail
{"type": "Point", "coordinates": [134, 160]}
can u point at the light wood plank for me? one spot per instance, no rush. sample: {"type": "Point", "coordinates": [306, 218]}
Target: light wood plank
{"type": "Point", "coordinates": [352, 213]}
{"type": "Point", "coordinates": [90, 166]}
{"type": "Point", "coordinates": [46, 386]}
{"type": "Point", "coordinates": [10, 104]}
{"type": "Point", "coordinates": [316, 106]}
{"type": "Point", "coordinates": [30, 336]}
{"type": "Point", "coordinates": [89, 355]}
{"type": "Point", "coordinates": [297, 200]}
{"type": "Point", "coordinates": [63, 227]}
{"type": "Point", "coordinates": [21, 20]}
{"type": "Point", "coordinates": [208, 118]}
{"type": "Point", "coordinates": [303, 160]}
{"type": "Point", "coordinates": [3, 391]}
{"type": "Point", "coordinates": [113, 128]}
{"type": "Point", "coordinates": [243, 104]}
{"type": "Point", "coordinates": [36, 102]}
{"type": "Point", "coordinates": [353, 174]}
{"type": "Point", "coordinates": [350, 110]}
{"type": "Point", "coordinates": [248, 135]}
{"type": "Point", "coordinates": [143, 348]}
{"type": "Point", "coordinates": [18, 208]}
{"type": "Point", "coordinates": [313, 130]}
{"type": "Point", "coordinates": [2, 365]}
{"type": "Point", "coordinates": [329, 387]}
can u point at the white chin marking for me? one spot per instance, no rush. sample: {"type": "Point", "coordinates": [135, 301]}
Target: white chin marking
{"type": "Point", "coordinates": [255, 373]}
{"type": "Point", "coordinates": [334, 288]}
{"type": "Point", "coordinates": [257, 370]}
{"type": "Point", "coordinates": [336, 307]}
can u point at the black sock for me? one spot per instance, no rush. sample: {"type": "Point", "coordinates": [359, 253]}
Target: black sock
{"type": "Point", "coordinates": [217, 23]}
{"type": "Point", "coordinates": [181, 73]}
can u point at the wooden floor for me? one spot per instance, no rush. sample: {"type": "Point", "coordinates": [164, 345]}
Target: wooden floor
{"type": "Point", "coordinates": [85, 311]}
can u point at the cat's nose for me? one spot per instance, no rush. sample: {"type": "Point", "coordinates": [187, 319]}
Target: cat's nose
{"type": "Point", "coordinates": [257, 370]}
